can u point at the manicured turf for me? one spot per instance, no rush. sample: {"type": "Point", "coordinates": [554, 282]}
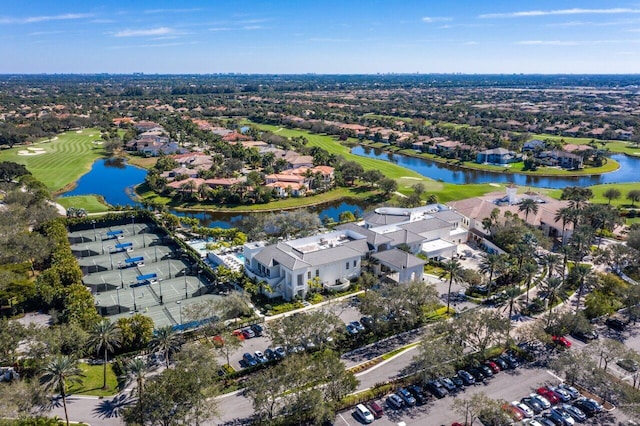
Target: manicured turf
{"type": "Point", "coordinates": [91, 203]}
{"type": "Point", "coordinates": [599, 190]}
{"type": "Point", "coordinates": [92, 383]}
{"type": "Point", "coordinates": [64, 160]}
{"type": "Point", "coordinates": [142, 162]}
{"type": "Point", "coordinates": [613, 146]}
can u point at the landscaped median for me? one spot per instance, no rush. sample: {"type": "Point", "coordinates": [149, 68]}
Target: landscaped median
{"type": "Point", "coordinates": [359, 368]}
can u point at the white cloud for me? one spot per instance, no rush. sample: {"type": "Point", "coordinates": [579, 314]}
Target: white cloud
{"type": "Point", "coordinates": [145, 33]}
{"type": "Point", "coordinates": [574, 11]}
{"type": "Point", "coordinates": [548, 43]}
{"type": "Point", "coordinates": [217, 29]}
{"type": "Point", "coordinates": [45, 18]}
{"type": "Point", "coordinates": [432, 19]}
{"type": "Point", "coordinates": [253, 27]}
{"type": "Point", "coordinates": [471, 43]}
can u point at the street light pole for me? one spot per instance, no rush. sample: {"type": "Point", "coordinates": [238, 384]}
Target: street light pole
{"type": "Point", "coordinates": [186, 296]}
{"type": "Point", "coordinates": [133, 289]}
{"type": "Point", "coordinates": [155, 249]}
{"type": "Point", "coordinates": [169, 264]}
{"type": "Point", "coordinates": [180, 305]}
{"type": "Point", "coordinates": [118, 296]}
{"type": "Point", "coordinates": [133, 229]}
{"type": "Point", "coordinates": [101, 243]}
{"type": "Point", "coordinates": [120, 268]}
{"type": "Point", "coordinates": [93, 222]}
{"type": "Point", "coordinates": [160, 285]}
{"type": "Point", "coordinates": [110, 257]}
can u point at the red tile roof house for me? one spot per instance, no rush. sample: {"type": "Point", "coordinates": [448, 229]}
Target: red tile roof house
{"type": "Point", "coordinates": [235, 137]}
{"type": "Point", "coordinates": [284, 188]}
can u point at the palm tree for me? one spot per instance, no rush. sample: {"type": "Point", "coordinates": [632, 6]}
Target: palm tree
{"type": "Point", "coordinates": [454, 271]}
{"type": "Point", "coordinates": [491, 263]}
{"type": "Point", "coordinates": [512, 293]}
{"type": "Point", "coordinates": [137, 369]}
{"type": "Point", "coordinates": [105, 337]}
{"type": "Point", "coordinates": [565, 215]}
{"type": "Point", "coordinates": [166, 341]}
{"type": "Point", "coordinates": [554, 288]}
{"type": "Point", "coordinates": [528, 205]}
{"type": "Point", "coordinates": [581, 273]}
{"type": "Point", "coordinates": [58, 373]}
{"type": "Point", "coordinates": [552, 262]}
{"type": "Point", "coordinates": [528, 270]}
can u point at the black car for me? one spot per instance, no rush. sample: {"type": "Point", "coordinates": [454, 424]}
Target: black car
{"type": "Point", "coordinates": [616, 324]}
{"type": "Point", "coordinates": [486, 370]}
{"type": "Point", "coordinates": [535, 406]}
{"type": "Point", "coordinates": [367, 321]}
{"type": "Point", "coordinates": [448, 384]}
{"type": "Point", "coordinates": [257, 329]}
{"type": "Point", "coordinates": [457, 380]}
{"type": "Point", "coordinates": [501, 363]}
{"type": "Point", "coordinates": [510, 360]}
{"type": "Point", "coordinates": [585, 336]}
{"type": "Point", "coordinates": [476, 373]}
{"type": "Point", "coordinates": [466, 377]}
{"type": "Point", "coordinates": [544, 421]}
{"type": "Point", "coordinates": [436, 389]}
{"type": "Point", "coordinates": [586, 407]}
{"type": "Point", "coordinates": [270, 354]}
{"type": "Point", "coordinates": [418, 394]}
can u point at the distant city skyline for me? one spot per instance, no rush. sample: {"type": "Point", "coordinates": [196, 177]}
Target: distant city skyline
{"type": "Point", "coordinates": [322, 37]}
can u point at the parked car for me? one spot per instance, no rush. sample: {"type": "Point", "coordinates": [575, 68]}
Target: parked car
{"type": "Point", "coordinates": [572, 391]}
{"type": "Point", "coordinates": [501, 363]}
{"type": "Point", "coordinates": [577, 414]}
{"type": "Point", "coordinates": [357, 325]}
{"type": "Point", "coordinates": [558, 413]}
{"type": "Point", "coordinates": [510, 360]}
{"type": "Point", "coordinates": [394, 401]}
{"type": "Point", "coordinates": [551, 396]}
{"type": "Point", "coordinates": [466, 377]}
{"type": "Point", "coordinates": [457, 380]}
{"type": "Point", "coordinates": [533, 422]}
{"type": "Point", "coordinates": [367, 321]}
{"type": "Point", "coordinates": [616, 324]}
{"type": "Point", "coordinates": [477, 374]}
{"type": "Point", "coordinates": [270, 354]}
{"type": "Point", "coordinates": [257, 329]}
{"type": "Point", "coordinates": [561, 341]}
{"type": "Point", "coordinates": [436, 389]}
{"type": "Point", "coordinates": [259, 356]}
{"type": "Point", "coordinates": [280, 352]}
{"type": "Point", "coordinates": [514, 412]}
{"type": "Point", "coordinates": [363, 414]}
{"type": "Point", "coordinates": [587, 407]}
{"type": "Point", "coordinates": [351, 329]}
{"type": "Point", "coordinates": [533, 404]}
{"type": "Point", "coordinates": [406, 396]}
{"type": "Point", "coordinates": [585, 336]}
{"type": "Point", "coordinates": [418, 394]}
{"type": "Point", "coordinates": [560, 393]}
{"type": "Point", "coordinates": [544, 402]}
{"type": "Point", "coordinates": [376, 409]}
{"type": "Point", "coordinates": [528, 412]}
{"type": "Point", "coordinates": [448, 384]}
{"type": "Point", "coordinates": [544, 421]}
{"type": "Point", "coordinates": [248, 333]}
{"type": "Point", "coordinates": [486, 371]}
{"type": "Point", "coordinates": [495, 368]}
{"type": "Point", "coordinates": [249, 360]}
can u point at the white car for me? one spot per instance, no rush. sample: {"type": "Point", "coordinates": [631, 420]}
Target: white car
{"type": "Point", "coordinates": [364, 414]}
{"type": "Point", "coordinates": [532, 422]}
{"type": "Point", "coordinates": [541, 399]}
{"type": "Point", "coordinates": [528, 412]}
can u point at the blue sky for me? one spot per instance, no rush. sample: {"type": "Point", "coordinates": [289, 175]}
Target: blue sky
{"type": "Point", "coordinates": [333, 36]}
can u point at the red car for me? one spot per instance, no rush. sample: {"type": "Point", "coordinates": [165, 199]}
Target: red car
{"type": "Point", "coordinates": [493, 366]}
{"type": "Point", "coordinates": [514, 412]}
{"type": "Point", "coordinates": [561, 341]}
{"type": "Point", "coordinates": [549, 394]}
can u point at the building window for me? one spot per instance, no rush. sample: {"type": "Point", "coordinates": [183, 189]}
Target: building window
{"type": "Point", "coordinates": [347, 265]}
{"type": "Point", "coordinates": [317, 272]}
{"type": "Point", "coordinates": [354, 263]}
{"type": "Point", "coordinates": [309, 275]}
{"type": "Point", "coordinates": [300, 279]}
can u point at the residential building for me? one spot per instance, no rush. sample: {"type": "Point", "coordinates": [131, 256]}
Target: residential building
{"type": "Point", "coordinates": [497, 156]}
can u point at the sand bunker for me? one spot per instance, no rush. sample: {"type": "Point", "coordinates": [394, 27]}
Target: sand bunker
{"type": "Point", "coordinates": [32, 151]}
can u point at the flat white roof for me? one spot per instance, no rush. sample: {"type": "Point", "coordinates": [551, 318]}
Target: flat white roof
{"type": "Point", "coordinates": [436, 245]}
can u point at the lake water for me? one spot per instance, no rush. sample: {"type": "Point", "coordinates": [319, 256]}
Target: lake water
{"type": "Point", "coordinates": [112, 178]}
{"type": "Point", "coordinates": [629, 171]}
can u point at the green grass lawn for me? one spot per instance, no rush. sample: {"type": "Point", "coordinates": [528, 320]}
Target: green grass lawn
{"type": "Point", "coordinates": [613, 146]}
{"type": "Point", "coordinates": [92, 383]}
{"type": "Point", "coordinates": [63, 160]}
{"type": "Point", "coordinates": [91, 203]}
{"type": "Point", "coordinates": [599, 190]}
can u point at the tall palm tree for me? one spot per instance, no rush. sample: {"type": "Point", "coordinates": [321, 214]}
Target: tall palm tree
{"type": "Point", "coordinates": [565, 215]}
{"type": "Point", "coordinates": [512, 293]}
{"type": "Point", "coordinates": [105, 337]}
{"type": "Point", "coordinates": [491, 263]}
{"type": "Point", "coordinates": [581, 273]}
{"type": "Point", "coordinates": [137, 370]}
{"type": "Point", "coordinates": [454, 270]}
{"type": "Point", "coordinates": [167, 341]}
{"type": "Point", "coordinates": [528, 271]}
{"type": "Point", "coordinates": [552, 262]}
{"type": "Point", "coordinates": [59, 372]}
{"type": "Point", "coordinates": [554, 289]}
{"type": "Point", "coordinates": [528, 205]}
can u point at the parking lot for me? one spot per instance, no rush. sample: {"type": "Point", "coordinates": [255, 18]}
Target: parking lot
{"type": "Point", "coordinates": [508, 385]}
{"type": "Point", "coordinates": [134, 268]}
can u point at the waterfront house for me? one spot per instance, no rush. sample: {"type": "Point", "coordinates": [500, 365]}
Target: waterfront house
{"type": "Point", "coordinates": [497, 156]}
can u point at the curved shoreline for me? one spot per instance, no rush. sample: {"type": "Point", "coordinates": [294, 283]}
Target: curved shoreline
{"type": "Point", "coordinates": [505, 170]}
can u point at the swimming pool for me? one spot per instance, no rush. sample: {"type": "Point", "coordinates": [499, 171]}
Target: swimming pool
{"type": "Point", "coordinates": [240, 256]}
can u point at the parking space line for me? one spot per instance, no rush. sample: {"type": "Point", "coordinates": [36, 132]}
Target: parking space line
{"type": "Point", "coordinates": [559, 378]}
{"type": "Point", "coordinates": [344, 420]}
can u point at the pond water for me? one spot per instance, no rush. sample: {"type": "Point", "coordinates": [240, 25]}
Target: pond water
{"type": "Point", "coordinates": [112, 178]}
{"type": "Point", "coordinates": [628, 172]}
